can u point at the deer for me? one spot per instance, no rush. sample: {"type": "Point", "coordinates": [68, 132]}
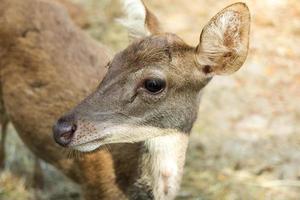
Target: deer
{"type": "Point", "coordinates": [145, 107]}
{"type": "Point", "coordinates": [41, 52]}
{"type": "Point", "coordinates": [79, 17]}
{"type": "Point", "coordinates": [34, 93]}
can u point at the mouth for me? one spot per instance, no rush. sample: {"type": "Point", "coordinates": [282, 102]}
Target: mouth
{"type": "Point", "coordinates": [117, 134]}
{"type": "Point", "coordinates": [90, 145]}
{"type": "Point", "coordinates": [87, 147]}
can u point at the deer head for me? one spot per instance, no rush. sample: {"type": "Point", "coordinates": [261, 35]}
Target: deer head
{"type": "Point", "coordinates": [152, 87]}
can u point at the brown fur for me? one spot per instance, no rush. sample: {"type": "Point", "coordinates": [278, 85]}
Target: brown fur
{"type": "Point", "coordinates": [76, 12]}
{"type": "Point", "coordinates": [3, 122]}
{"type": "Point", "coordinates": [47, 66]}
{"type": "Point", "coordinates": [79, 16]}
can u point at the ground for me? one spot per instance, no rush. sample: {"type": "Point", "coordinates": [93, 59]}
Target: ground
{"type": "Point", "coordinates": [245, 143]}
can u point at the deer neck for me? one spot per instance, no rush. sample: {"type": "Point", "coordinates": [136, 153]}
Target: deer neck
{"type": "Point", "coordinates": [161, 164]}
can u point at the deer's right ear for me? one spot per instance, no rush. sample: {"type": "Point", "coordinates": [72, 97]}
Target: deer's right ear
{"type": "Point", "coordinates": [139, 21]}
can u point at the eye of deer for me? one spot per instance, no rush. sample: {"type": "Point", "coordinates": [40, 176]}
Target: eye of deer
{"type": "Point", "coordinates": [155, 86]}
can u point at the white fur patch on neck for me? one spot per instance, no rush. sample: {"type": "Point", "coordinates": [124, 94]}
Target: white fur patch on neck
{"type": "Point", "coordinates": [135, 20]}
{"type": "Point", "coordinates": [167, 157]}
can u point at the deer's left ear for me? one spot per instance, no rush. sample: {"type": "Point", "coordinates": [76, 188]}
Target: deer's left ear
{"type": "Point", "coordinates": [139, 20]}
{"type": "Point", "coordinates": [224, 41]}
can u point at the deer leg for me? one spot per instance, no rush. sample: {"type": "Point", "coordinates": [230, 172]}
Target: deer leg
{"type": "Point", "coordinates": [38, 178]}
{"type": "Point", "coordinates": [4, 125]}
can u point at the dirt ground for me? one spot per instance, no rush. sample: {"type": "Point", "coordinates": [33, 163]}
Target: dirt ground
{"type": "Point", "coordinates": [245, 143]}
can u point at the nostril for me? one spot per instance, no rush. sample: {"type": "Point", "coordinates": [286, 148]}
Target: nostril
{"type": "Point", "coordinates": [66, 137]}
{"type": "Point", "coordinates": [63, 132]}
{"type": "Point", "coordinates": [74, 128]}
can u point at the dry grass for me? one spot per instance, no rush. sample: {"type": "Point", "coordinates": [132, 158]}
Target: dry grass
{"type": "Point", "coordinates": [13, 187]}
{"type": "Point", "coordinates": [246, 142]}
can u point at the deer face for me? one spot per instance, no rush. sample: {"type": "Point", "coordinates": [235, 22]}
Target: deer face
{"type": "Point", "coordinates": [152, 87]}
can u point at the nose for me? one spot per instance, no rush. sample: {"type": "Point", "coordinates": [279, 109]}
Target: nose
{"type": "Point", "coordinates": [63, 131]}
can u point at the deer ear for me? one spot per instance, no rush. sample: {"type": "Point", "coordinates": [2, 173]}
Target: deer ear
{"type": "Point", "coordinates": [224, 41]}
{"type": "Point", "coordinates": [139, 20]}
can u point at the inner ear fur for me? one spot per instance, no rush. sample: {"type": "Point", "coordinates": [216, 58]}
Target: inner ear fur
{"type": "Point", "coordinates": [224, 41]}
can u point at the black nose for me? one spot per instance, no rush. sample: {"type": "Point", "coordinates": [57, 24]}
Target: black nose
{"type": "Point", "coordinates": [63, 131]}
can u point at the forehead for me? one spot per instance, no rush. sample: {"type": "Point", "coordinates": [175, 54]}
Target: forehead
{"type": "Point", "coordinates": [156, 49]}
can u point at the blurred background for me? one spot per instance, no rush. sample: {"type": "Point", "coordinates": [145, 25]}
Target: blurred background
{"type": "Point", "coordinates": [246, 141]}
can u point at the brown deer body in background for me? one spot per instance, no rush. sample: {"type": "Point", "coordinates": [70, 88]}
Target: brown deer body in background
{"type": "Point", "coordinates": [48, 66]}
{"type": "Point", "coordinates": [79, 16]}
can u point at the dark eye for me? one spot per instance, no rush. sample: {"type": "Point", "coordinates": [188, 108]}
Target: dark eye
{"type": "Point", "coordinates": [155, 85]}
